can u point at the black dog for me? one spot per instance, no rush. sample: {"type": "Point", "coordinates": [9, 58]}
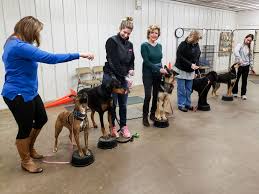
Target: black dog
{"type": "Point", "coordinates": [202, 86]}
{"type": "Point", "coordinates": [228, 78]}
{"type": "Point", "coordinates": [100, 100]}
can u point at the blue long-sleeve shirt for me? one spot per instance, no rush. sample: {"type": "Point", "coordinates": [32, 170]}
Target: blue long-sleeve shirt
{"type": "Point", "coordinates": [20, 59]}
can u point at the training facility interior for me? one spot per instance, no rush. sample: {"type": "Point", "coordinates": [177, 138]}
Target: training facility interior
{"type": "Point", "coordinates": [199, 153]}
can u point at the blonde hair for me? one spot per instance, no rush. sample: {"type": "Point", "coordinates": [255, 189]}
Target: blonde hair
{"type": "Point", "coordinates": [194, 37]}
{"type": "Point", "coordinates": [127, 23]}
{"type": "Point", "coordinates": [28, 30]}
{"type": "Point", "coordinates": [152, 28]}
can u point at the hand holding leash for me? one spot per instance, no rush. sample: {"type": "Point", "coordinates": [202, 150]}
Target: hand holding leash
{"type": "Point", "coordinates": [163, 71]}
{"type": "Point", "coordinates": [89, 56]}
{"type": "Point", "coordinates": [129, 81]}
{"type": "Point", "coordinates": [194, 66]}
{"type": "Point", "coordinates": [131, 72]}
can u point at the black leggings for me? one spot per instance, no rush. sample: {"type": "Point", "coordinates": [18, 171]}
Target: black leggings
{"type": "Point", "coordinates": [242, 71]}
{"type": "Point", "coordinates": [150, 83]}
{"type": "Point", "coordinates": [28, 115]}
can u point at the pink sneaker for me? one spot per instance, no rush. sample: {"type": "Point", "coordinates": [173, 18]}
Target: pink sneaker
{"type": "Point", "coordinates": [125, 132]}
{"type": "Point", "coordinates": [114, 132]}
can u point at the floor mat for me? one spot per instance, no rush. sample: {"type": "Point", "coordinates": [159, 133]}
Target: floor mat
{"type": "Point", "coordinates": [135, 100]}
{"type": "Point", "coordinates": [255, 81]}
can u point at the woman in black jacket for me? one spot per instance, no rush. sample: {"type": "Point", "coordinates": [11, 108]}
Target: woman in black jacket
{"type": "Point", "coordinates": [187, 59]}
{"type": "Point", "coordinates": [120, 63]}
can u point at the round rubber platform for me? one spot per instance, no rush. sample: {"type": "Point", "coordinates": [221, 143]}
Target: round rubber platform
{"type": "Point", "coordinates": [204, 107]}
{"type": "Point", "coordinates": [78, 161]}
{"type": "Point", "coordinates": [108, 143]}
{"type": "Point", "coordinates": [161, 123]}
{"type": "Point", "coordinates": [227, 98]}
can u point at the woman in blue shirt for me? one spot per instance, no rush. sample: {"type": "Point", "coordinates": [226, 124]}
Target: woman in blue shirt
{"type": "Point", "coordinates": [20, 90]}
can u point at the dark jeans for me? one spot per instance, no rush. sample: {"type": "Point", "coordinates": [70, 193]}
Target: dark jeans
{"type": "Point", "coordinates": [149, 84]}
{"type": "Point", "coordinates": [122, 100]}
{"type": "Point", "coordinates": [242, 71]}
{"type": "Point", "coordinates": [28, 115]}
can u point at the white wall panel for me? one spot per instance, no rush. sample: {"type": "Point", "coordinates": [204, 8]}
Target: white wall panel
{"type": "Point", "coordinates": [164, 31]}
{"type": "Point", "coordinates": [71, 40]}
{"type": "Point", "coordinates": [48, 71]}
{"type": "Point", "coordinates": [59, 45]}
{"type": "Point", "coordinates": [27, 7]}
{"type": "Point", "coordinates": [85, 25]}
{"type": "Point", "coordinates": [93, 29]}
{"type": "Point", "coordinates": [3, 36]}
{"type": "Point", "coordinates": [11, 13]}
{"type": "Point", "coordinates": [81, 15]}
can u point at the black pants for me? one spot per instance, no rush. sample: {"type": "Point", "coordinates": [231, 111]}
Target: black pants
{"type": "Point", "coordinates": [28, 115]}
{"type": "Point", "coordinates": [149, 84]}
{"type": "Point", "coordinates": [242, 71]}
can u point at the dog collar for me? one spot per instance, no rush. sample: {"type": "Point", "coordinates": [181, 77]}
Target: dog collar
{"type": "Point", "coordinates": [78, 115]}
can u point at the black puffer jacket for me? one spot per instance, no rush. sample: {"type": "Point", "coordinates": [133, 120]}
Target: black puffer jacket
{"type": "Point", "coordinates": [187, 54]}
{"type": "Point", "coordinates": [120, 57]}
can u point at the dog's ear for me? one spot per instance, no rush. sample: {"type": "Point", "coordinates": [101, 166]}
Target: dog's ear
{"type": "Point", "coordinates": [83, 98]}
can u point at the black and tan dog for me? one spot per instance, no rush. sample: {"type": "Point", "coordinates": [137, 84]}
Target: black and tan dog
{"type": "Point", "coordinates": [75, 122]}
{"type": "Point", "coordinates": [202, 86]}
{"type": "Point", "coordinates": [166, 88]}
{"type": "Point", "coordinates": [228, 78]}
{"type": "Point", "coordinates": [100, 100]}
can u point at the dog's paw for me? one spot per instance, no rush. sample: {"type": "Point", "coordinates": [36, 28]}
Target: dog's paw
{"type": "Point", "coordinates": [164, 118]}
{"type": "Point", "coordinates": [159, 118]}
{"type": "Point", "coordinates": [86, 152]}
{"type": "Point", "coordinates": [95, 126]}
{"type": "Point", "coordinates": [81, 154]}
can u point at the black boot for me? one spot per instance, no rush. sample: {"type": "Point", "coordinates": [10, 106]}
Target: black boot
{"type": "Point", "coordinates": [152, 116]}
{"type": "Point", "coordinates": [145, 121]}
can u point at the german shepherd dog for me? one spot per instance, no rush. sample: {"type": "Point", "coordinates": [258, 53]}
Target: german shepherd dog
{"type": "Point", "coordinates": [166, 88]}
{"type": "Point", "coordinates": [203, 85]}
{"type": "Point", "coordinates": [75, 122]}
{"type": "Point", "coordinates": [100, 100]}
{"type": "Point", "coordinates": [228, 78]}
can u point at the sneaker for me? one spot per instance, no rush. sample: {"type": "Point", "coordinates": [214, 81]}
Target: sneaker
{"type": "Point", "coordinates": [235, 95]}
{"type": "Point", "coordinates": [182, 109]}
{"type": "Point", "coordinates": [243, 97]}
{"type": "Point", "coordinates": [125, 132]}
{"type": "Point", "coordinates": [114, 132]}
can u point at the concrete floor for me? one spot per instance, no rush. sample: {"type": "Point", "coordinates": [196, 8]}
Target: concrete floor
{"type": "Point", "coordinates": [212, 152]}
